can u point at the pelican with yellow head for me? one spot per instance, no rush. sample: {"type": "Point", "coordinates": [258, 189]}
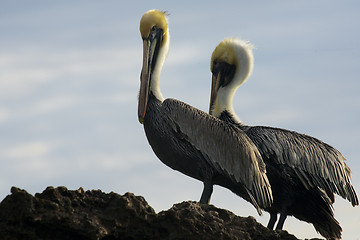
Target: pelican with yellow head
{"type": "Point", "coordinates": [303, 171]}
{"type": "Point", "coordinates": [189, 140]}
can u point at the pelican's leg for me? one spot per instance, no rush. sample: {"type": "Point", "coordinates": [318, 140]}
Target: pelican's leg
{"type": "Point", "coordinates": [283, 215]}
{"type": "Point", "coordinates": [272, 221]}
{"type": "Point", "coordinates": [206, 194]}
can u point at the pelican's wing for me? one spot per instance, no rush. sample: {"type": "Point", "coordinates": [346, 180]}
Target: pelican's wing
{"type": "Point", "coordinates": [225, 147]}
{"type": "Point", "coordinates": [315, 162]}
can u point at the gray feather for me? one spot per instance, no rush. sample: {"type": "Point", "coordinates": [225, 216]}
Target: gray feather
{"type": "Point", "coordinates": [315, 162]}
{"type": "Point", "coordinates": [226, 147]}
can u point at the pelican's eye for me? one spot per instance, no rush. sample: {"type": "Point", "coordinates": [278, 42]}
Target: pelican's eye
{"type": "Point", "coordinates": [154, 28]}
{"type": "Point", "coordinates": [215, 68]}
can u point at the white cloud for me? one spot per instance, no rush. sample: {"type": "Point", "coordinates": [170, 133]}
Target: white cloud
{"type": "Point", "coordinates": [15, 82]}
{"type": "Point", "coordinates": [24, 72]}
{"type": "Point", "coordinates": [4, 114]}
{"type": "Point", "coordinates": [34, 149]}
{"type": "Point", "coordinates": [52, 104]}
{"type": "Point", "coordinates": [184, 53]}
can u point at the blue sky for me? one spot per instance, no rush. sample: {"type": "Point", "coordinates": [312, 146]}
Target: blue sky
{"type": "Point", "coordinates": [69, 79]}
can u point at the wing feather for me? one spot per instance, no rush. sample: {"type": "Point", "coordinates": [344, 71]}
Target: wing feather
{"type": "Point", "coordinates": [226, 147]}
{"type": "Point", "coordinates": [315, 162]}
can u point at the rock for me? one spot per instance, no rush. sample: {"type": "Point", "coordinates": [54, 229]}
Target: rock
{"type": "Point", "coordinates": [59, 213]}
{"type": "Point", "coordinates": [191, 220]}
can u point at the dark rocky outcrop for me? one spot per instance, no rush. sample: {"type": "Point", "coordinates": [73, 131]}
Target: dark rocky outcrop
{"type": "Point", "coordinates": [59, 213]}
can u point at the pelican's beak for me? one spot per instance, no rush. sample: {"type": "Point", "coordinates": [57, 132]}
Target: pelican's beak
{"type": "Point", "coordinates": [215, 85]}
{"type": "Point", "coordinates": [150, 50]}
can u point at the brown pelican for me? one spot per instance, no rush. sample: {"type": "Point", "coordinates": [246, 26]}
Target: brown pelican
{"type": "Point", "coordinates": [187, 139]}
{"type": "Point", "coordinates": [303, 171]}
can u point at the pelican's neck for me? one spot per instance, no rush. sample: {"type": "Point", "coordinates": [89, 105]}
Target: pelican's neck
{"type": "Point", "coordinates": [155, 76]}
{"type": "Point", "coordinates": [225, 95]}
{"type": "Point", "coordinates": [224, 102]}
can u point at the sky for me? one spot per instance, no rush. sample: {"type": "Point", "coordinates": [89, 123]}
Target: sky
{"type": "Point", "coordinates": [69, 80]}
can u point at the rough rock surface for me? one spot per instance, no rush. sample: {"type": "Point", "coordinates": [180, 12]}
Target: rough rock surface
{"type": "Point", "coordinates": [58, 213]}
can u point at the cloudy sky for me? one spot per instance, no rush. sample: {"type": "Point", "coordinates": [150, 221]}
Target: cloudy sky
{"type": "Point", "coordinates": [69, 79]}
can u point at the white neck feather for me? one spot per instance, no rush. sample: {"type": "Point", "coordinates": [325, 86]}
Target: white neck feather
{"type": "Point", "coordinates": [155, 77]}
{"type": "Point", "coordinates": [224, 102]}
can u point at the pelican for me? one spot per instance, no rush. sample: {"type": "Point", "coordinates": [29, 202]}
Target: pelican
{"type": "Point", "coordinates": [304, 172]}
{"type": "Point", "coordinates": [187, 139]}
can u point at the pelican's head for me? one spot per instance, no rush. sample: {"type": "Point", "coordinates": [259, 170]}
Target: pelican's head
{"type": "Point", "coordinates": [155, 35]}
{"type": "Point", "coordinates": [231, 65]}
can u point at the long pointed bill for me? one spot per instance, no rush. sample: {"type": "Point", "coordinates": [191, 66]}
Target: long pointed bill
{"type": "Point", "coordinates": [149, 46]}
{"type": "Point", "coordinates": [215, 84]}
